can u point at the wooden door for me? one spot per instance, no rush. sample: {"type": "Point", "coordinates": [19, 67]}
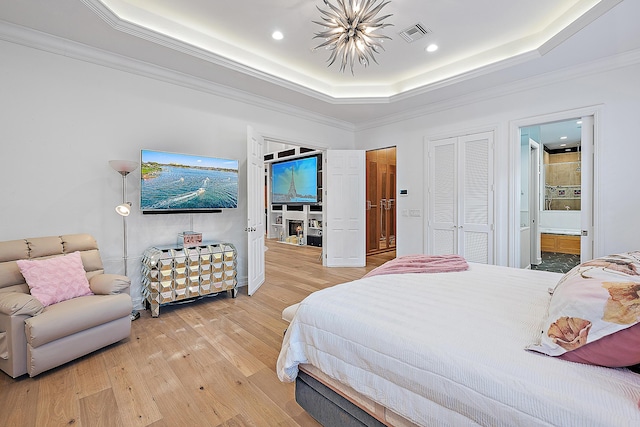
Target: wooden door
{"type": "Point", "coordinates": [381, 200]}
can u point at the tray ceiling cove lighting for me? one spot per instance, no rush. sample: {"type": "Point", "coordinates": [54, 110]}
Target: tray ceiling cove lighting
{"type": "Point", "coordinates": [350, 31]}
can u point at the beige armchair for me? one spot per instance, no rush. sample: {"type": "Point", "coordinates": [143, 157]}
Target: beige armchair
{"type": "Point", "coordinates": [35, 338]}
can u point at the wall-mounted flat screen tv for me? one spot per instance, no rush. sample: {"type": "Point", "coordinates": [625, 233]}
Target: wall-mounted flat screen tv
{"type": "Point", "coordinates": [174, 183]}
{"type": "Point", "coordinates": [295, 181]}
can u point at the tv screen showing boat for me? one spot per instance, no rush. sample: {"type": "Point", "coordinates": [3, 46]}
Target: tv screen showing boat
{"type": "Point", "coordinates": [295, 181]}
{"type": "Point", "coordinates": [172, 183]}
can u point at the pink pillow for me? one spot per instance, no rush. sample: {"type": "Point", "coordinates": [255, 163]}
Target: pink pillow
{"type": "Point", "coordinates": [56, 279]}
{"type": "Point", "coordinates": [614, 351]}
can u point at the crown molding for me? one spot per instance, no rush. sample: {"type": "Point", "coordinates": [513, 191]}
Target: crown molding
{"type": "Point", "coordinates": [119, 24]}
{"type": "Point", "coordinates": [585, 19]}
{"type": "Point", "coordinates": [60, 46]}
{"type": "Point", "coordinates": [116, 22]}
{"type": "Point", "coordinates": [570, 73]}
{"type": "Point", "coordinates": [462, 77]}
{"type": "Point", "coordinates": [327, 93]}
{"type": "Point", "coordinates": [53, 44]}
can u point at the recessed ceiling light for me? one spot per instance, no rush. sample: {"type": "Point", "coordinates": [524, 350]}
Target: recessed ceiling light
{"type": "Point", "coordinates": [567, 149]}
{"type": "Point", "coordinates": [277, 35]}
{"type": "Point", "coordinates": [563, 137]}
{"type": "Point", "coordinates": [432, 48]}
{"type": "Point", "coordinates": [563, 145]}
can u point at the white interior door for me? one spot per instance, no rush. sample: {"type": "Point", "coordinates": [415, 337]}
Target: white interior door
{"type": "Point", "coordinates": [344, 202]}
{"type": "Point", "coordinates": [255, 210]}
{"type": "Point", "coordinates": [443, 178]}
{"type": "Point", "coordinates": [586, 189]}
{"type": "Point", "coordinates": [534, 202]}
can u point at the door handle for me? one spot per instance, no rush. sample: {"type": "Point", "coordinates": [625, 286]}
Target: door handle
{"type": "Point", "coordinates": [390, 203]}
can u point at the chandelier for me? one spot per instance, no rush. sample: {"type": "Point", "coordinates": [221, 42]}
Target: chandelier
{"type": "Point", "coordinates": [350, 31]}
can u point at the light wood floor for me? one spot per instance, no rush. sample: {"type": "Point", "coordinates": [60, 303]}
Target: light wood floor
{"type": "Point", "coordinates": [209, 363]}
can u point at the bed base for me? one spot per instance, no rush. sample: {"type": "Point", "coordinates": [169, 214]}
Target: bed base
{"type": "Point", "coordinates": [334, 404]}
{"type": "Point", "coordinates": [328, 407]}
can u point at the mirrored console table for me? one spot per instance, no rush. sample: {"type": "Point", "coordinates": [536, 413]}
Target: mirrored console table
{"type": "Point", "coordinates": [174, 274]}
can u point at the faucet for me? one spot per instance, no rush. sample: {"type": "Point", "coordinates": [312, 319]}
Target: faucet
{"type": "Point", "coordinates": [567, 207]}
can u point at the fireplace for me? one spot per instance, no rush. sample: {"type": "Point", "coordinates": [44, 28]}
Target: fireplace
{"type": "Point", "coordinates": [293, 226]}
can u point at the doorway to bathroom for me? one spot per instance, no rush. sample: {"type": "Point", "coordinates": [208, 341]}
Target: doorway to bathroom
{"type": "Point", "coordinates": [556, 203]}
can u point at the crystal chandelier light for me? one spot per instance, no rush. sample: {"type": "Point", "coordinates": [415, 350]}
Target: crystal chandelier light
{"type": "Point", "coordinates": [350, 31]}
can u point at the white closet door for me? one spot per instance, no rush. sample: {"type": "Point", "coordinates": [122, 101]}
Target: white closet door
{"type": "Point", "coordinates": [461, 197]}
{"type": "Point", "coordinates": [476, 202]}
{"type": "Point", "coordinates": [444, 197]}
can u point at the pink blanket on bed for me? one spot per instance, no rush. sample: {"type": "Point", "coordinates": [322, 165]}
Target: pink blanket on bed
{"type": "Point", "coordinates": [421, 264]}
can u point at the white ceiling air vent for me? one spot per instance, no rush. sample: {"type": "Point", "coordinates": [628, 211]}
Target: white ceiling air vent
{"type": "Point", "coordinates": [414, 32]}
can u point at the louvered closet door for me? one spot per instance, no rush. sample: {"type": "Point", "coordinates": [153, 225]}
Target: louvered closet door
{"type": "Point", "coordinates": [461, 197]}
{"type": "Point", "coordinates": [443, 235]}
{"type": "Point", "coordinates": [476, 202]}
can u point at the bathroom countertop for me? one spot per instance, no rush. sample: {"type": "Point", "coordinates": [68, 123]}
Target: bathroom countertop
{"type": "Point", "coordinates": [565, 232]}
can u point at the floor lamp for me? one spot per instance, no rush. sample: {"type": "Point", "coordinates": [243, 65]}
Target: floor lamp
{"type": "Point", "coordinates": [124, 168]}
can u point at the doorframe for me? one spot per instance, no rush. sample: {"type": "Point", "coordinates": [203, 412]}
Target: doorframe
{"type": "Point", "coordinates": [515, 181]}
{"type": "Point", "coordinates": [267, 137]}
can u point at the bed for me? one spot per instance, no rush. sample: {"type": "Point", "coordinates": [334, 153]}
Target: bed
{"type": "Point", "coordinates": [445, 349]}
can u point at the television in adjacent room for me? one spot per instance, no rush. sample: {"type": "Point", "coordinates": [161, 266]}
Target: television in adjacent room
{"type": "Point", "coordinates": [295, 181]}
{"type": "Point", "coordinates": [178, 183]}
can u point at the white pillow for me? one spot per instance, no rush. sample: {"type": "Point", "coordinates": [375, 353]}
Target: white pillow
{"type": "Point", "coordinates": [595, 299]}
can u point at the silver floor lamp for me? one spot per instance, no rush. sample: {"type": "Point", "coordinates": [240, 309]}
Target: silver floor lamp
{"type": "Point", "coordinates": [124, 168]}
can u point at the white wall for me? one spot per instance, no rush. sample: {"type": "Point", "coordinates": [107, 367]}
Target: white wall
{"type": "Point", "coordinates": [617, 198]}
{"type": "Point", "coordinates": [63, 120]}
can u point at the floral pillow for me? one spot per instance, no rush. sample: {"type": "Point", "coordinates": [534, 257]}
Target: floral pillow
{"type": "Point", "coordinates": [56, 279]}
{"type": "Point", "coordinates": [596, 299]}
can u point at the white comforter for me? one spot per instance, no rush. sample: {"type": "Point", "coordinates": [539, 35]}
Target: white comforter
{"type": "Point", "coordinates": [449, 349]}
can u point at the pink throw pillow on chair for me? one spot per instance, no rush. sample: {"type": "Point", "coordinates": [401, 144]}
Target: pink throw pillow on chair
{"type": "Point", "coordinates": [56, 279]}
